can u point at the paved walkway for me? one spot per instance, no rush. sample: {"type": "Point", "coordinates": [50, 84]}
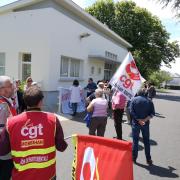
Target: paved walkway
{"type": "Point", "coordinates": [165, 141]}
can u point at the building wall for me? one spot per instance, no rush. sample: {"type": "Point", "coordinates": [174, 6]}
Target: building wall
{"type": "Point", "coordinates": [68, 43]}
{"type": "Point", "coordinates": [26, 32]}
{"type": "Point", "coordinates": [49, 34]}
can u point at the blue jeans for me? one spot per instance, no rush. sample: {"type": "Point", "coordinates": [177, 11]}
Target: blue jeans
{"type": "Point", "coordinates": [136, 128]}
{"type": "Point", "coordinates": [74, 108]}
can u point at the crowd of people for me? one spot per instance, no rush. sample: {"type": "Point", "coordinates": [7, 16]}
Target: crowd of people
{"type": "Point", "coordinates": [103, 99]}
{"type": "Point", "coordinates": [29, 137]}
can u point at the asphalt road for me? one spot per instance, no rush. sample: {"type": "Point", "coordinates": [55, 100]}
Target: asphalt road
{"type": "Point", "coordinates": [165, 141]}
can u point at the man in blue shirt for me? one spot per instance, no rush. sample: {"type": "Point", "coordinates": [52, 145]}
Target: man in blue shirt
{"type": "Point", "coordinates": [141, 110]}
{"type": "Point", "coordinates": [91, 87]}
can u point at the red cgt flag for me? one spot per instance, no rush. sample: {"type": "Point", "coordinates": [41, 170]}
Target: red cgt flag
{"type": "Point", "coordinates": [98, 158]}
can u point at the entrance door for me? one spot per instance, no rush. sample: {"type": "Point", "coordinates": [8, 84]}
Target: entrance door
{"type": "Point", "coordinates": [109, 70]}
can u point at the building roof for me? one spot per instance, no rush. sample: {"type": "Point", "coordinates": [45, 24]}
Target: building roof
{"type": "Point", "coordinates": [76, 10]}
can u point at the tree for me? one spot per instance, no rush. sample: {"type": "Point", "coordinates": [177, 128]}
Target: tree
{"type": "Point", "coordinates": [158, 77]}
{"type": "Point", "coordinates": [104, 11]}
{"type": "Point", "coordinates": [175, 5]}
{"type": "Point", "coordinates": [139, 27]}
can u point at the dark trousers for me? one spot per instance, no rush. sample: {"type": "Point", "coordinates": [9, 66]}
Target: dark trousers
{"type": "Point", "coordinates": [136, 128]}
{"type": "Point", "coordinates": [118, 114]}
{"type": "Point", "coordinates": [6, 167]}
{"type": "Point", "coordinates": [74, 108]}
{"type": "Point", "coordinates": [97, 126]}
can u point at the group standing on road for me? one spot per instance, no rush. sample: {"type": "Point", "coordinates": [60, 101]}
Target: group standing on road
{"type": "Point", "coordinates": [139, 111]}
{"type": "Point", "coordinates": [29, 140]}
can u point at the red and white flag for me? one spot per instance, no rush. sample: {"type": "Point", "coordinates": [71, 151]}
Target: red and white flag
{"type": "Point", "coordinates": [98, 158]}
{"type": "Point", "coordinates": [127, 78]}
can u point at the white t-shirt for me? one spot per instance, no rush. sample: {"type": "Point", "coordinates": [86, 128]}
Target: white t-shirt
{"type": "Point", "coordinates": [75, 94]}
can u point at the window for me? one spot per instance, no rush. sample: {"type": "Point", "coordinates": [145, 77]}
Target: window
{"type": "Point", "coordinates": [109, 70]}
{"type": "Point", "coordinates": [64, 66]}
{"type": "Point", "coordinates": [70, 67]}
{"type": "Point", "coordinates": [92, 70]}
{"type": "Point", "coordinates": [26, 66]}
{"type": "Point", "coordinates": [99, 70]}
{"type": "Point", "coordinates": [75, 68]}
{"type": "Point", "coordinates": [2, 63]}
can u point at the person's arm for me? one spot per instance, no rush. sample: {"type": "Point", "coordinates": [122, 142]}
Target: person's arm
{"type": "Point", "coordinates": [132, 110]}
{"type": "Point", "coordinates": [87, 87]}
{"type": "Point", "coordinates": [5, 147]}
{"type": "Point", "coordinates": [150, 116]}
{"type": "Point", "coordinates": [95, 86]}
{"type": "Point", "coordinates": [90, 107]}
{"type": "Point", "coordinates": [61, 144]}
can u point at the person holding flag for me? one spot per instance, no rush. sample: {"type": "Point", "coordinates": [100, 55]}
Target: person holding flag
{"type": "Point", "coordinates": [127, 78]}
{"type": "Point", "coordinates": [118, 105]}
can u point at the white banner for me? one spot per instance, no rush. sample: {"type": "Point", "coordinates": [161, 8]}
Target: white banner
{"type": "Point", "coordinates": [127, 78]}
{"type": "Point", "coordinates": [66, 106]}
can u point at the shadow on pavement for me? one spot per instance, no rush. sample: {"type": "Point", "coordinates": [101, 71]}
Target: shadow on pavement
{"type": "Point", "coordinates": [152, 142]}
{"type": "Point", "coordinates": [79, 117]}
{"type": "Point", "coordinates": [168, 97]}
{"type": "Point", "coordinates": [160, 171]}
{"type": "Point", "coordinates": [159, 115]}
{"type": "Point", "coordinates": [140, 148]}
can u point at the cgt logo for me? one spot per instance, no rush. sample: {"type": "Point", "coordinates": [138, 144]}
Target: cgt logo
{"type": "Point", "coordinates": [133, 74]}
{"type": "Point", "coordinates": [89, 159]}
{"type": "Point", "coordinates": [32, 131]}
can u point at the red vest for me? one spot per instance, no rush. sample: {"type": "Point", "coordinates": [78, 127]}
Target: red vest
{"type": "Point", "coordinates": [32, 138]}
{"type": "Point", "coordinates": [11, 107]}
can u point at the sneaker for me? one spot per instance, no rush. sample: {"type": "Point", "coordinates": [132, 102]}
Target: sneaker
{"type": "Point", "coordinates": [149, 162]}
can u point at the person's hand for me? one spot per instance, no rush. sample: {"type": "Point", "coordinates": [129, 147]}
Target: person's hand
{"type": "Point", "coordinates": [141, 122]}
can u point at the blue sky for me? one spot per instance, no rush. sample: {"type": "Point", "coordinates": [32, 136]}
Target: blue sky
{"type": "Point", "coordinates": [166, 15]}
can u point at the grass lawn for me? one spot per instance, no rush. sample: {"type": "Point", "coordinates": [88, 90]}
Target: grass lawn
{"type": "Point", "coordinates": [162, 90]}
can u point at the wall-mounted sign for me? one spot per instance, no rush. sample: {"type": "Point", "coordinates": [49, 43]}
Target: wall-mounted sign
{"type": "Point", "coordinates": [111, 55]}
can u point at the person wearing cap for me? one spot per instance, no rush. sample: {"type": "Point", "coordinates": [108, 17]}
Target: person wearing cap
{"type": "Point", "coordinates": [7, 109]}
{"type": "Point", "coordinates": [33, 137]}
{"type": "Point", "coordinates": [102, 87]}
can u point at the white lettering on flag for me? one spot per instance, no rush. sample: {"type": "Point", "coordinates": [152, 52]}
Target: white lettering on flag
{"type": "Point", "coordinates": [127, 78]}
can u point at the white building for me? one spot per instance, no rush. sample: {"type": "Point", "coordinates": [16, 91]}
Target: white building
{"type": "Point", "coordinates": [55, 42]}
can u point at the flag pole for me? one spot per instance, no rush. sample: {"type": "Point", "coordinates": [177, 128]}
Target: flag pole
{"type": "Point", "coordinates": [68, 137]}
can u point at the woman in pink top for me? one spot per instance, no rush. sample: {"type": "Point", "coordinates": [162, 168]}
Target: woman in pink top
{"type": "Point", "coordinates": [118, 105]}
{"type": "Point", "coordinates": [98, 107]}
